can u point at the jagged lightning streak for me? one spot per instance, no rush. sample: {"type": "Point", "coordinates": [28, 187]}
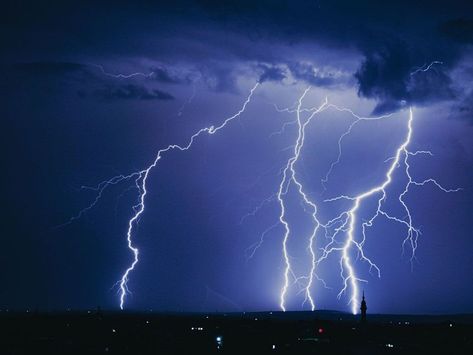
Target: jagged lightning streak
{"type": "Point", "coordinates": [346, 222]}
{"type": "Point", "coordinates": [349, 218]}
{"type": "Point", "coordinates": [317, 224]}
{"type": "Point", "coordinates": [289, 176]}
{"type": "Point", "coordinates": [139, 209]}
{"type": "Point", "coordinates": [350, 222]}
{"type": "Point", "coordinates": [188, 101]}
{"type": "Point", "coordinates": [413, 233]}
{"type": "Point", "coordinates": [99, 189]}
{"type": "Point", "coordinates": [251, 250]}
{"type": "Point", "coordinates": [426, 67]}
{"type": "Point", "coordinates": [357, 120]}
{"type": "Point", "coordinates": [141, 178]}
{"type": "Point", "coordinates": [122, 76]}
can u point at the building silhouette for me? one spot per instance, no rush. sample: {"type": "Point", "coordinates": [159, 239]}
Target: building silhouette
{"type": "Point", "coordinates": [363, 308]}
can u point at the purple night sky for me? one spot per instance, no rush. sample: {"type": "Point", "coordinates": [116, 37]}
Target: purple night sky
{"type": "Point", "coordinates": [71, 120]}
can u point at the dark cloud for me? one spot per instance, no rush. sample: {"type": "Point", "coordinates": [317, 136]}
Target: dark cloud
{"type": "Point", "coordinates": [388, 106]}
{"type": "Point", "coordinates": [215, 37]}
{"type": "Point", "coordinates": [163, 75]}
{"type": "Point", "coordinates": [49, 68]}
{"type": "Point", "coordinates": [464, 108]}
{"type": "Point", "coordinates": [460, 30]}
{"type": "Point", "coordinates": [314, 75]}
{"type": "Point", "coordinates": [93, 83]}
{"type": "Point", "coordinates": [129, 92]}
{"type": "Point", "coordinates": [271, 73]}
{"type": "Point", "coordinates": [384, 71]}
{"type": "Point", "coordinates": [429, 86]}
{"type": "Point", "coordinates": [392, 49]}
{"type": "Point", "coordinates": [388, 74]}
{"type": "Point", "coordinates": [219, 77]}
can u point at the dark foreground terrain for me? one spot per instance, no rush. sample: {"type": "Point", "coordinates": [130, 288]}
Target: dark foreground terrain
{"type": "Point", "coordinates": [234, 333]}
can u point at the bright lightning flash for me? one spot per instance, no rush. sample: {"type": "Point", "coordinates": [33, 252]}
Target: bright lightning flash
{"type": "Point", "coordinates": [344, 225]}
{"type": "Point", "coordinates": [140, 179]}
{"type": "Point", "coordinates": [348, 219]}
{"type": "Point", "coordinates": [346, 222]}
{"type": "Point", "coordinates": [289, 177]}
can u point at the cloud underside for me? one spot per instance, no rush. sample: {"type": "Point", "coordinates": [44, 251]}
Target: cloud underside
{"type": "Point", "coordinates": [93, 83]}
{"type": "Point", "coordinates": [214, 40]}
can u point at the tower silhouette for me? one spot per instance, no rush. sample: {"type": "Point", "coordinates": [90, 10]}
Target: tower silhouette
{"type": "Point", "coordinates": [363, 308]}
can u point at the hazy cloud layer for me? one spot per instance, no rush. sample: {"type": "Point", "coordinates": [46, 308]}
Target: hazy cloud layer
{"type": "Point", "coordinates": [217, 38]}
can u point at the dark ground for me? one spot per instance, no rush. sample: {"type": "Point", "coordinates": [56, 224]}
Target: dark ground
{"type": "Point", "coordinates": [319, 332]}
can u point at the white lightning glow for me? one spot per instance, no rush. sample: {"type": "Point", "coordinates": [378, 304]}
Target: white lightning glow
{"type": "Point", "coordinates": [289, 177]}
{"type": "Point", "coordinates": [426, 67]}
{"type": "Point", "coordinates": [141, 178]}
{"type": "Point", "coordinates": [123, 76]}
{"type": "Point", "coordinates": [346, 233]}
{"type": "Point", "coordinates": [348, 219]}
{"type": "Point", "coordinates": [357, 120]}
{"type": "Point", "coordinates": [347, 270]}
{"type": "Point", "coordinates": [139, 209]}
{"type": "Point", "coordinates": [346, 223]}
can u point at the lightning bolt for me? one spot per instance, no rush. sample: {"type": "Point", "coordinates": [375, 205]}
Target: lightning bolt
{"type": "Point", "coordinates": [140, 181]}
{"type": "Point", "coordinates": [357, 120]}
{"type": "Point", "coordinates": [348, 219]}
{"type": "Point", "coordinates": [289, 177]}
{"type": "Point", "coordinates": [188, 101]}
{"type": "Point", "coordinates": [345, 225]}
{"type": "Point", "coordinates": [143, 175]}
{"type": "Point", "coordinates": [122, 76]}
{"type": "Point", "coordinates": [425, 67]}
{"type": "Point", "coordinates": [346, 222]}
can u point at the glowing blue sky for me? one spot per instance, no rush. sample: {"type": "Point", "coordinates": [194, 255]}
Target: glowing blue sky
{"type": "Point", "coordinates": [69, 124]}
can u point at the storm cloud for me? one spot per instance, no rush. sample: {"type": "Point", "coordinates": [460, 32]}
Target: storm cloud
{"type": "Point", "coordinates": [216, 40]}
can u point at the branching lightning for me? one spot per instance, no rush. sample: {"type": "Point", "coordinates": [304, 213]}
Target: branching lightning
{"type": "Point", "coordinates": [345, 224]}
{"type": "Point", "coordinates": [346, 233]}
{"type": "Point", "coordinates": [425, 67]}
{"type": "Point", "coordinates": [123, 76]}
{"type": "Point", "coordinates": [143, 176]}
{"type": "Point", "coordinates": [357, 120]}
{"type": "Point", "coordinates": [140, 180]}
{"type": "Point", "coordinates": [348, 219]}
{"type": "Point", "coordinates": [289, 177]}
